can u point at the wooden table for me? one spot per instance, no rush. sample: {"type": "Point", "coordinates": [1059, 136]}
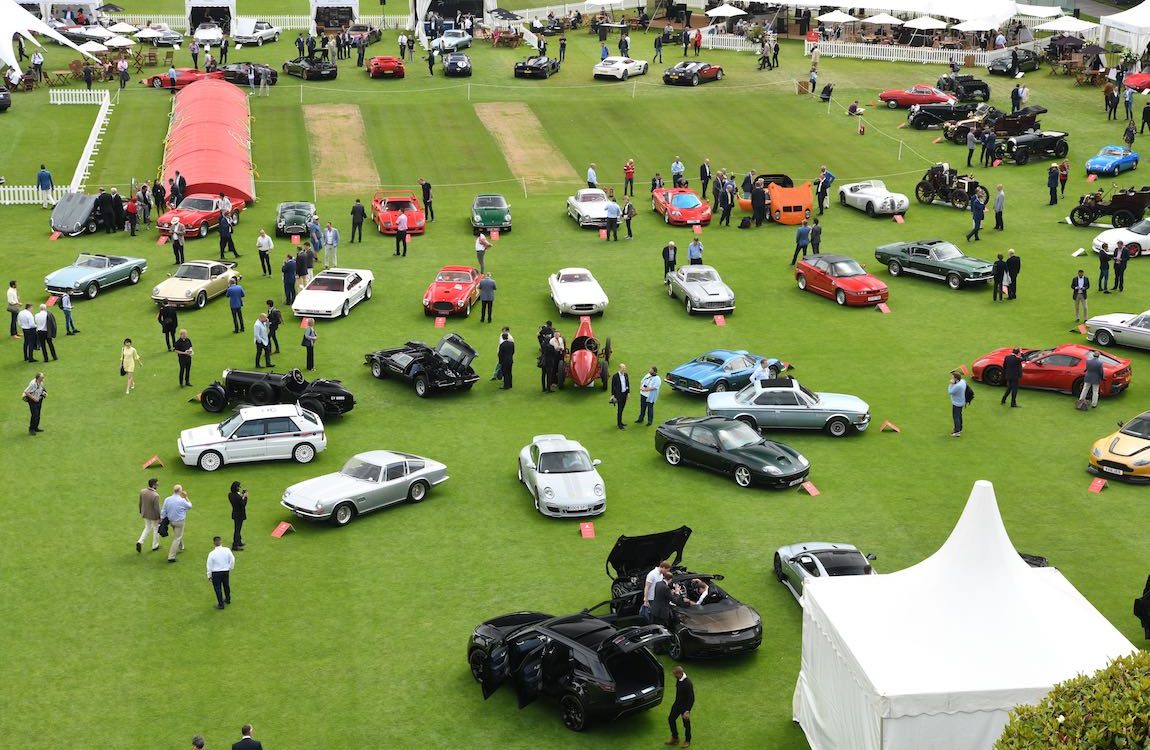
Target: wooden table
{"type": "Point", "coordinates": [137, 59]}
{"type": "Point", "coordinates": [58, 77]}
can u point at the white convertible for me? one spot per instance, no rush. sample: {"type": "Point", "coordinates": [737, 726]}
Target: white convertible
{"type": "Point", "coordinates": [576, 292]}
{"type": "Point", "coordinates": [209, 33]}
{"type": "Point", "coordinates": [873, 197]}
{"type": "Point", "coordinates": [332, 293]}
{"type": "Point", "coordinates": [452, 40]}
{"type": "Point", "coordinates": [620, 68]}
{"type": "Point", "coordinates": [562, 478]}
{"type": "Point", "coordinates": [1125, 329]}
{"type": "Point", "coordinates": [588, 207]}
{"type": "Point", "coordinates": [255, 433]}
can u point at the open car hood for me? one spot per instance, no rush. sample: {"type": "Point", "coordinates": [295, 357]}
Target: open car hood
{"type": "Point", "coordinates": [72, 211]}
{"type": "Point", "coordinates": [635, 555]}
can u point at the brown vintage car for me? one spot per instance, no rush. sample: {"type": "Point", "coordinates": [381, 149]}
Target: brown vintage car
{"type": "Point", "coordinates": [1005, 124]}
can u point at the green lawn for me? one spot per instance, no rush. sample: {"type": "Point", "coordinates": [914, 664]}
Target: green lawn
{"type": "Point", "coordinates": [354, 638]}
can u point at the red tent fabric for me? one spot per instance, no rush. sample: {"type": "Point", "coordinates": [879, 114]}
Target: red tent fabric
{"type": "Point", "coordinates": [209, 140]}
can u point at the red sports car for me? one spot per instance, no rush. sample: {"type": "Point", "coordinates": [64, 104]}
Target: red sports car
{"type": "Point", "coordinates": [920, 93]}
{"type": "Point", "coordinates": [199, 213]}
{"type": "Point", "coordinates": [1058, 369]}
{"type": "Point", "coordinates": [840, 278]}
{"type": "Point", "coordinates": [386, 208]}
{"type": "Point", "coordinates": [1137, 81]}
{"type": "Point", "coordinates": [184, 76]}
{"type": "Point", "coordinates": [680, 206]}
{"type": "Point", "coordinates": [385, 67]}
{"type": "Point", "coordinates": [586, 361]}
{"type": "Point", "coordinates": [455, 290]}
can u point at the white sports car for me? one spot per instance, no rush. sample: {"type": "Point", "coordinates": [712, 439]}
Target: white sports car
{"type": "Point", "coordinates": [332, 293]}
{"type": "Point", "coordinates": [1125, 329]}
{"type": "Point", "coordinates": [873, 197]}
{"type": "Point", "coordinates": [620, 68]}
{"type": "Point", "coordinates": [1136, 238]}
{"type": "Point", "coordinates": [452, 40]}
{"type": "Point", "coordinates": [576, 292]}
{"type": "Point", "coordinates": [255, 433]}
{"type": "Point", "coordinates": [588, 207]}
{"type": "Point", "coordinates": [209, 33]}
{"type": "Point", "coordinates": [562, 477]}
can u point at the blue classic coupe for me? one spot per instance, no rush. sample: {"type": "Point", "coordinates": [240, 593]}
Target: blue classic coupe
{"type": "Point", "coordinates": [720, 370]}
{"type": "Point", "coordinates": [92, 273]}
{"type": "Point", "coordinates": [1111, 160]}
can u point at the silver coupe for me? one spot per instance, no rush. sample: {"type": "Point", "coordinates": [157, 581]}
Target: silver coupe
{"type": "Point", "coordinates": [873, 197]}
{"type": "Point", "coordinates": [786, 404]}
{"type": "Point", "coordinates": [562, 477]}
{"type": "Point", "coordinates": [796, 564]}
{"type": "Point", "coordinates": [1124, 329]}
{"type": "Point", "coordinates": [701, 288]}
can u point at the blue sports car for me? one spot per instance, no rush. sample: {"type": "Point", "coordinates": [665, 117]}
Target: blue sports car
{"type": "Point", "coordinates": [1111, 160]}
{"type": "Point", "coordinates": [720, 370]}
{"type": "Point", "coordinates": [92, 273]}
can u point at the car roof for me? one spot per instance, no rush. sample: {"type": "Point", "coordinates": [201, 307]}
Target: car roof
{"type": "Point", "coordinates": [697, 267]}
{"type": "Point", "coordinates": [274, 410]}
{"type": "Point", "coordinates": [815, 547]}
{"type": "Point", "coordinates": [554, 443]}
{"type": "Point", "coordinates": [831, 258]}
{"type": "Point", "coordinates": [340, 273]}
{"type": "Point", "coordinates": [583, 629]}
{"type": "Point", "coordinates": [723, 353]}
{"type": "Point", "coordinates": [574, 269]}
{"type": "Point", "coordinates": [385, 457]}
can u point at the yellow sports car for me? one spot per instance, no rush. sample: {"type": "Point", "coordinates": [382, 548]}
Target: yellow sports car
{"type": "Point", "coordinates": [1124, 454]}
{"type": "Point", "coordinates": [195, 282]}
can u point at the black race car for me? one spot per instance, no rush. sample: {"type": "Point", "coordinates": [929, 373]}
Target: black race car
{"type": "Point", "coordinates": [718, 625]}
{"type": "Point", "coordinates": [325, 397]}
{"type": "Point", "coordinates": [457, 64]}
{"type": "Point", "coordinates": [5, 98]}
{"type": "Point", "coordinates": [731, 447]}
{"type": "Point", "coordinates": [447, 367]}
{"type": "Point", "coordinates": [1027, 60]}
{"type": "Point", "coordinates": [539, 66]}
{"type": "Point", "coordinates": [1020, 148]}
{"type": "Point", "coordinates": [692, 73]}
{"type": "Point", "coordinates": [76, 213]}
{"type": "Point", "coordinates": [311, 69]}
{"type": "Point", "coordinates": [596, 670]}
{"type": "Point", "coordinates": [965, 88]}
{"type": "Point", "coordinates": [237, 73]}
{"type": "Point", "coordinates": [923, 116]}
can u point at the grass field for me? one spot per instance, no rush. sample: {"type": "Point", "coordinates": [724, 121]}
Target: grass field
{"type": "Point", "coordinates": [355, 638]}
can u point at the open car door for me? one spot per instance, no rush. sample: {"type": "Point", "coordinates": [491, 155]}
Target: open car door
{"type": "Point", "coordinates": [495, 669]}
{"type": "Point", "coordinates": [528, 678]}
{"type": "Point", "coordinates": [632, 639]}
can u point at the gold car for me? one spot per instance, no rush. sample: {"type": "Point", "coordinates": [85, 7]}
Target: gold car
{"type": "Point", "coordinates": [1124, 454]}
{"type": "Point", "coordinates": [196, 282]}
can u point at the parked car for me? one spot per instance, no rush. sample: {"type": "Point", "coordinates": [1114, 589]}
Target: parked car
{"type": "Point", "coordinates": [1124, 207]}
{"type": "Point", "coordinates": [1020, 148]}
{"type": "Point", "coordinates": [721, 370]}
{"type": "Point", "coordinates": [199, 213]}
{"type": "Point", "coordinates": [237, 73]}
{"type": "Point", "coordinates": [1124, 454]}
{"type": "Point", "coordinates": [1134, 238]}
{"type": "Point", "coordinates": [537, 66]}
{"type": "Point", "coordinates": [91, 273]}
{"type": "Point", "coordinates": [311, 69]}
{"type": "Point", "coordinates": [365, 31]}
{"type": "Point", "coordinates": [1060, 368]}
{"type": "Point", "coordinates": [1027, 60]}
{"type": "Point", "coordinates": [166, 36]}
{"type": "Point", "coordinates": [328, 398]}
{"type": "Point", "coordinates": [943, 183]}
{"type": "Point", "coordinates": [490, 211]}
{"type": "Point", "coordinates": [731, 447]}
{"type": "Point", "coordinates": [368, 481]}
{"type": "Point", "coordinates": [840, 278]}
{"type": "Point", "coordinates": [384, 66]}
{"type": "Point", "coordinates": [965, 88]}
{"type": "Point", "coordinates": [920, 93]}
{"type": "Point", "coordinates": [255, 433]}
{"type": "Point", "coordinates": [561, 477]}
{"type": "Point", "coordinates": [451, 40]}
{"type": "Point", "coordinates": [195, 282]}
{"type": "Point", "coordinates": [934, 259]}
{"type": "Point", "coordinates": [454, 291]}
{"type": "Point", "coordinates": [1125, 329]}
{"type": "Point", "coordinates": [576, 292]}
{"type": "Point", "coordinates": [252, 31]}
{"type": "Point", "coordinates": [333, 292]}
{"type": "Point", "coordinates": [1004, 124]}
{"type": "Point", "coordinates": [447, 367]}
{"type": "Point", "coordinates": [457, 64]}
{"type": "Point", "coordinates": [5, 99]}
{"type": "Point", "coordinates": [680, 206]}
{"type": "Point", "coordinates": [209, 33]}
{"type": "Point", "coordinates": [619, 68]}
{"type": "Point", "coordinates": [789, 205]}
{"type": "Point", "coordinates": [873, 197]}
{"type": "Point", "coordinates": [184, 76]}
{"type": "Point", "coordinates": [796, 564]}
{"type": "Point", "coordinates": [588, 207]}
{"type": "Point", "coordinates": [701, 289]}
{"type": "Point", "coordinates": [923, 116]}
{"type": "Point", "coordinates": [292, 218]}
{"type": "Point", "coordinates": [692, 73]}
{"type": "Point", "coordinates": [387, 206]}
{"type": "Point", "coordinates": [786, 404]}
{"type": "Point", "coordinates": [1112, 160]}
{"type": "Point", "coordinates": [76, 213]}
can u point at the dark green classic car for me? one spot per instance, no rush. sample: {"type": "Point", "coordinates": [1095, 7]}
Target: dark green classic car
{"type": "Point", "coordinates": [292, 218]}
{"type": "Point", "coordinates": [489, 211]}
{"type": "Point", "coordinates": [935, 259]}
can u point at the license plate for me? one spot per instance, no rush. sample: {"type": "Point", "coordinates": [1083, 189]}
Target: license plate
{"type": "Point", "coordinates": [873, 299]}
{"type": "Point", "coordinates": [692, 221]}
{"type": "Point", "coordinates": [793, 482]}
{"type": "Point", "coordinates": [1111, 470]}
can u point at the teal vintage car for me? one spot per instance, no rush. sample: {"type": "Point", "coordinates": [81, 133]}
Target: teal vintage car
{"type": "Point", "coordinates": [934, 259]}
{"type": "Point", "coordinates": [784, 403]}
{"type": "Point", "coordinates": [91, 273]}
{"type": "Point", "coordinates": [293, 217]}
{"type": "Point", "coordinates": [490, 211]}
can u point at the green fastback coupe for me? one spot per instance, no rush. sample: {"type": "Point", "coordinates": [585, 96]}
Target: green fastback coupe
{"type": "Point", "coordinates": [935, 259]}
{"type": "Point", "coordinates": [292, 218]}
{"type": "Point", "coordinates": [490, 212]}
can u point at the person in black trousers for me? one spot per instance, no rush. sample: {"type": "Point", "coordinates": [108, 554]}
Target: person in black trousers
{"type": "Point", "coordinates": [759, 203]}
{"type": "Point", "coordinates": [238, 497]}
{"type": "Point", "coordinates": [1121, 255]}
{"type": "Point", "coordinates": [620, 390]}
{"type": "Point", "coordinates": [1012, 373]}
{"type": "Point", "coordinates": [288, 270]}
{"type": "Point", "coordinates": [226, 241]}
{"type": "Point", "coordinates": [998, 275]}
{"type": "Point", "coordinates": [669, 252]}
{"type": "Point", "coordinates": [184, 354]}
{"type": "Point", "coordinates": [684, 701]}
{"type": "Point", "coordinates": [1013, 267]}
{"type": "Point", "coordinates": [358, 213]}
{"type": "Point", "coordinates": [506, 359]}
{"type": "Point", "coordinates": [726, 202]}
{"type": "Point", "coordinates": [169, 324]}
{"type": "Point", "coordinates": [1052, 184]}
{"type": "Point", "coordinates": [427, 202]}
{"type": "Point", "coordinates": [107, 211]}
{"type": "Point", "coordinates": [275, 320]}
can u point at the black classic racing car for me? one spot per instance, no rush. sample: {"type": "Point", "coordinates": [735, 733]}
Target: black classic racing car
{"type": "Point", "coordinates": [447, 367]}
{"type": "Point", "coordinates": [457, 64]}
{"type": "Point", "coordinates": [730, 447]}
{"type": "Point", "coordinates": [692, 73]}
{"type": "Point", "coordinates": [965, 88]}
{"type": "Point", "coordinates": [1027, 60]}
{"type": "Point", "coordinates": [311, 69]}
{"type": "Point", "coordinates": [325, 397]}
{"type": "Point", "coordinates": [237, 73]}
{"type": "Point", "coordinates": [539, 66]}
{"type": "Point", "coordinates": [923, 116]}
{"type": "Point", "coordinates": [597, 671]}
{"type": "Point", "coordinates": [1020, 148]}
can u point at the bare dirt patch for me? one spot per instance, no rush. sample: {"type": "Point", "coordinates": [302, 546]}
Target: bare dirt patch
{"type": "Point", "coordinates": [521, 137]}
{"type": "Point", "coordinates": [337, 142]}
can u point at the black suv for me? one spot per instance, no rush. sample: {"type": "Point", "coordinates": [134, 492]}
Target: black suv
{"type": "Point", "coordinates": [1020, 148]}
{"type": "Point", "coordinates": [923, 116]}
{"type": "Point", "coordinates": [447, 367]}
{"type": "Point", "coordinates": [324, 397]}
{"type": "Point", "coordinates": [965, 88]}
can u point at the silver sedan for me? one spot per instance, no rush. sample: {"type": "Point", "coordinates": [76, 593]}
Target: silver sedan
{"type": "Point", "coordinates": [701, 288]}
{"type": "Point", "coordinates": [1125, 329]}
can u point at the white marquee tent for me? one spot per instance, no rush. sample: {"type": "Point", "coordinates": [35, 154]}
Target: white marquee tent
{"type": "Point", "coordinates": [15, 19]}
{"type": "Point", "coordinates": [936, 655]}
{"type": "Point", "coordinates": [1130, 28]}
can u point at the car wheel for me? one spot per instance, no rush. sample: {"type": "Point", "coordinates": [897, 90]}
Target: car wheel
{"type": "Point", "coordinates": [924, 192]}
{"type": "Point", "coordinates": [840, 296]}
{"type": "Point", "coordinates": [574, 714]}
{"type": "Point", "coordinates": [201, 300]}
{"type": "Point", "coordinates": [1123, 218]}
{"type": "Point", "coordinates": [1133, 249]}
{"type": "Point", "coordinates": [892, 104]}
{"type": "Point", "coordinates": [92, 290]}
{"type": "Point", "coordinates": [1103, 337]}
{"type": "Point", "coordinates": [213, 399]}
{"type": "Point", "coordinates": [303, 453]}
{"type": "Point", "coordinates": [1081, 216]}
{"type": "Point", "coordinates": [722, 387]}
{"type": "Point", "coordinates": [157, 82]}
{"type": "Point", "coordinates": [778, 568]}
{"type": "Point", "coordinates": [519, 472]}
{"type": "Point", "coordinates": [954, 281]}
{"type": "Point", "coordinates": [695, 80]}
{"type": "Point", "coordinates": [644, 69]}
{"type": "Point", "coordinates": [314, 406]}
{"type": "Point", "coordinates": [837, 427]}
{"type": "Point", "coordinates": [1134, 167]}
{"type": "Point", "coordinates": [742, 476]}
{"type": "Point", "coordinates": [417, 492]}
{"type": "Point", "coordinates": [92, 226]}
{"type": "Point", "coordinates": [343, 514]}
{"type": "Point", "coordinates": [667, 217]}
{"type": "Point", "coordinates": [993, 375]}
{"type": "Point", "coordinates": [625, 76]}
{"type": "Point", "coordinates": [719, 75]}
{"type": "Point", "coordinates": [801, 279]}
{"type": "Point", "coordinates": [261, 394]}
{"type": "Point", "coordinates": [210, 461]}
{"type": "Point", "coordinates": [561, 376]}
{"type": "Point", "coordinates": [204, 229]}
{"type": "Point", "coordinates": [367, 292]}
{"type": "Point", "coordinates": [675, 647]}
{"type": "Point", "coordinates": [842, 198]}
{"type": "Point", "coordinates": [672, 454]}
{"type": "Point", "coordinates": [134, 276]}
{"type": "Point", "coordinates": [749, 421]}
{"type": "Point", "coordinates": [870, 209]}
{"type": "Point", "coordinates": [343, 311]}
{"type": "Point", "coordinates": [1076, 387]}
{"type": "Point", "coordinates": [670, 291]}
{"type": "Point", "coordinates": [467, 310]}
{"type": "Point", "coordinates": [260, 41]}
{"type": "Point", "coordinates": [377, 369]}
{"type": "Point", "coordinates": [690, 307]}
{"type": "Point", "coordinates": [475, 660]}
{"type": "Point", "coordinates": [895, 268]}
{"type": "Point", "coordinates": [421, 386]}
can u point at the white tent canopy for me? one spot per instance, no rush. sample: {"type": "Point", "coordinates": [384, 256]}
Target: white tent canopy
{"type": "Point", "coordinates": [92, 46]}
{"type": "Point", "coordinates": [1037, 11]}
{"type": "Point", "coordinates": [118, 42]}
{"type": "Point", "coordinates": [975, 26]}
{"type": "Point", "coordinates": [123, 28]}
{"type": "Point", "coordinates": [725, 11]}
{"type": "Point", "coordinates": [1131, 28]}
{"type": "Point", "coordinates": [14, 19]}
{"type": "Point", "coordinates": [936, 655]}
{"type": "Point", "coordinates": [925, 22]}
{"type": "Point", "coordinates": [1069, 24]}
{"type": "Point", "coordinates": [837, 16]}
{"type": "Point", "coordinates": [884, 19]}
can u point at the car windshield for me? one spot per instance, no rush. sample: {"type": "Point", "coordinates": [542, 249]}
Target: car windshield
{"type": "Point", "coordinates": [359, 28]}
{"type": "Point", "coordinates": [710, 359]}
{"type": "Point", "coordinates": [592, 197]}
{"type": "Point", "coordinates": [1112, 152]}
{"type": "Point", "coordinates": [842, 562]}
{"type": "Point", "coordinates": [814, 397]}
{"type": "Point", "coordinates": [453, 58]}
{"type": "Point", "coordinates": [707, 275]}
{"type": "Point", "coordinates": [490, 201]}
{"type": "Point", "coordinates": [1142, 227]}
{"type": "Point", "coordinates": [568, 278]}
{"type": "Point", "coordinates": [326, 284]}
{"type": "Point", "coordinates": [946, 251]}
{"type": "Point", "coordinates": [229, 425]}
{"type": "Point", "coordinates": [686, 200]}
{"type": "Point", "coordinates": [197, 204]}
{"type": "Point", "coordinates": [564, 462]}
{"type": "Point", "coordinates": [453, 276]}
{"type": "Point", "coordinates": [736, 436]}
{"type": "Point", "coordinates": [196, 273]}
{"type": "Point", "coordinates": [844, 268]}
{"type": "Point", "coordinates": [207, 27]}
{"type": "Point", "coordinates": [400, 206]}
{"type": "Point", "coordinates": [1138, 427]}
{"type": "Point", "coordinates": [305, 207]}
{"type": "Point", "coordinates": [91, 261]}
{"type": "Point", "coordinates": [452, 351]}
{"type": "Point", "coordinates": [357, 468]}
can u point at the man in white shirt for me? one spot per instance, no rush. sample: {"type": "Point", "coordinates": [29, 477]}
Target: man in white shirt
{"type": "Point", "coordinates": [653, 577]}
{"type": "Point", "coordinates": [701, 591]}
{"type": "Point", "coordinates": [402, 46]}
{"type": "Point", "coordinates": [401, 233]}
{"type": "Point", "coordinates": [331, 245]}
{"type": "Point", "coordinates": [648, 395]}
{"type": "Point", "coordinates": [592, 178]}
{"type": "Point", "coordinates": [45, 332]}
{"type": "Point", "coordinates": [220, 564]}
{"type": "Point", "coordinates": [14, 307]}
{"type": "Point", "coordinates": [264, 247]}
{"type": "Point", "coordinates": [761, 374]}
{"type": "Point", "coordinates": [27, 322]}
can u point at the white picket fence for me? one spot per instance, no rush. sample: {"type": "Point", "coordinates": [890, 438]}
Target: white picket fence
{"type": "Point", "coordinates": [729, 42]}
{"type": "Point", "coordinates": [77, 96]}
{"type": "Point", "coordinates": [287, 23]}
{"type": "Point", "coordinates": [26, 195]}
{"type": "Point", "coordinates": [95, 136]}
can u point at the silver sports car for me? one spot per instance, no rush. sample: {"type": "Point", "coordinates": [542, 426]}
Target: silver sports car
{"type": "Point", "coordinates": [562, 477]}
{"type": "Point", "coordinates": [368, 481]}
{"type": "Point", "coordinates": [1125, 329]}
{"type": "Point", "coordinates": [873, 197]}
{"type": "Point", "coordinates": [701, 288]}
{"type": "Point", "coordinates": [798, 563]}
{"type": "Point", "coordinates": [786, 404]}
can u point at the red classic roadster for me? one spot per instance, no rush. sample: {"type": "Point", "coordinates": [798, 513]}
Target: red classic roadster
{"type": "Point", "coordinates": [199, 213]}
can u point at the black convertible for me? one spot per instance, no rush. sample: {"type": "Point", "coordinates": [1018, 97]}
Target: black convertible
{"type": "Point", "coordinates": [447, 367]}
{"type": "Point", "coordinates": [730, 447]}
{"type": "Point", "coordinates": [237, 73]}
{"type": "Point", "coordinates": [311, 69]}
{"type": "Point", "coordinates": [325, 397]}
{"type": "Point", "coordinates": [1027, 60]}
{"type": "Point", "coordinates": [965, 88]}
{"type": "Point", "coordinates": [76, 213]}
{"type": "Point", "coordinates": [923, 116]}
{"type": "Point", "coordinates": [539, 66]}
{"type": "Point", "coordinates": [1020, 148]}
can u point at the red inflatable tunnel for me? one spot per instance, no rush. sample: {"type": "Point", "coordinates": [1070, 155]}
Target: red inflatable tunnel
{"type": "Point", "coordinates": [209, 140]}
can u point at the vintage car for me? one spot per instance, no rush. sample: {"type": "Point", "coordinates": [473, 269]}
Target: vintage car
{"type": "Point", "coordinates": [721, 370]}
{"type": "Point", "coordinates": [1125, 207]}
{"type": "Point", "coordinates": [1004, 124]}
{"type": "Point", "coordinates": [311, 69]}
{"type": "Point", "coordinates": [328, 398]}
{"type": "Point", "coordinates": [789, 205]}
{"type": "Point", "coordinates": [597, 672]}
{"type": "Point", "coordinates": [920, 93]}
{"type": "Point", "coordinates": [965, 88]}
{"type": "Point", "coordinates": [943, 183]}
{"type": "Point", "coordinates": [785, 404]}
{"type": "Point", "coordinates": [368, 481]}
{"type": "Point", "coordinates": [619, 68]}
{"type": "Point", "coordinates": [692, 73]}
{"type": "Point", "coordinates": [1060, 368]}
{"type": "Point", "coordinates": [199, 213]}
{"type": "Point", "coordinates": [333, 292]}
{"type": "Point", "coordinates": [237, 73]}
{"type": "Point", "coordinates": [701, 289]}
{"type": "Point", "coordinates": [384, 66]}
{"type": "Point", "coordinates": [490, 211]}
{"type": "Point", "coordinates": [92, 273]}
{"type": "Point", "coordinates": [209, 33]}
{"type": "Point", "coordinates": [796, 564]}
{"type": "Point", "coordinates": [457, 64]}
{"type": "Point", "coordinates": [365, 31]}
{"type": "Point", "coordinates": [680, 206]}
{"type": "Point", "coordinates": [1020, 148]}
{"type": "Point", "coordinates": [585, 361]}
{"type": "Point", "coordinates": [255, 433]}
{"type": "Point", "coordinates": [588, 207]}
{"type": "Point", "coordinates": [386, 208]}
{"type": "Point", "coordinates": [451, 40]}
{"type": "Point", "coordinates": [934, 259]}
{"type": "Point", "coordinates": [447, 367]}
{"type": "Point", "coordinates": [1112, 160]}
{"type": "Point", "coordinates": [252, 31]}
{"type": "Point", "coordinates": [195, 282]}
{"type": "Point", "coordinates": [184, 76]}
{"type": "Point", "coordinates": [923, 116]}
{"type": "Point", "coordinates": [1121, 329]}
{"type": "Point", "coordinates": [164, 36]}
{"type": "Point", "coordinates": [1124, 454]}
{"type": "Point", "coordinates": [292, 218]}
{"type": "Point", "coordinates": [729, 446]}
{"type": "Point", "coordinates": [561, 477]}
{"type": "Point", "coordinates": [1027, 60]}
{"type": "Point", "coordinates": [1133, 238]}
{"type": "Point", "coordinates": [538, 66]}
{"type": "Point", "coordinates": [576, 292]}
{"type": "Point", "coordinates": [873, 197]}
{"type": "Point", "coordinates": [76, 213]}
{"type": "Point", "coordinates": [839, 278]}
{"type": "Point", "coordinates": [454, 291]}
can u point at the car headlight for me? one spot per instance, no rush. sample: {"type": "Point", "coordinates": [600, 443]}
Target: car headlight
{"type": "Point", "coordinates": [387, 223]}
{"type": "Point", "coordinates": [477, 219]}
{"type": "Point", "coordinates": [188, 294]}
{"type": "Point", "coordinates": [676, 213]}
{"type": "Point", "coordinates": [598, 490]}
{"type": "Point", "coordinates": [459, 303]}
{"type": "Point", "coordinates": [548, 493]}
{"type": "Point", "coordinates": [507, 217]}
{"type": "Point", "coordinates": [426, 301]}
{"type": "Point", "coordinates": [420, 223]}
{"type": "Point", "coordinates": [45, 281]}
{"type": "Point", "coordinates": [279, 222]}
{"type": "Point", "coordinates": [706, 211]}
{"type": "Point", "coordinates": [155, 291]}
{"type": "Point", "coordinates": [1142, 462]}
{"type": "Point", "coordinates": [1097, 453]}
{"type": "Point", "coordinates": [772, 470]}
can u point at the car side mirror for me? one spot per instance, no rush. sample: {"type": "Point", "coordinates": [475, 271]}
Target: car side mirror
{"type": "Point", "coordinates": [872, 557]}
{"type": "Point", "coordinates": [1121, 424]}
{"type": "Point", "coordinates": [530, 466]}
{"type": "Point", "coordinates": [596, 462]}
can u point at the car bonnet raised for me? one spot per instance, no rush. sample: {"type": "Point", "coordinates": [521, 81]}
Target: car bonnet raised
{"type": "Point", "coordinates": [635, 555]}
{"type": "Point", "coordinates": [71, 212]}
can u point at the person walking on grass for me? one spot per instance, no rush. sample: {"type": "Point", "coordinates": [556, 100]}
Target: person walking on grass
{"type": "Point", "coordinates": [330, 246]}
{"type": "Point", "coordinates": [1079, 288]}
{"type": "Point", "coordinates": [486, 297]}
{"type": "Point", "coordinates": [482, 245]}
{"type": "Point", "coordinates": [14, 308]}
{"type": "Point", "coordinates": [235, 295]}
{"type": "Point", "coordinates": [684, 702]}
{"type": "Point", "coordinates": [1012, 374]}
{"type": "Point", "coordinates": [999, 207]}
{"type": "Point", "coordinates": [184, 352]}
{"type": "Point", "coordinates": [66, 306]}
{"type": "Point", "coordinates": [802, 239]}
{"type": "Point", "coordinates": [175, 509]}
{"type": "Point", "coordinates": [629, 213]}
{"type": "Point", "coordinates": [977, 211]}
{"type": "Point", "coordinates": [238, 499]}
{"type": "Point", "coordinates": [956, 389]}
{"type": "Point", "coordinates": [150, 512]}
{"type": "Point", "coordinates": [1052, 183]}
{"type": "Point", "coordinates": [129, 360]}
{"type": "Point", "coordinates": [358, 214]}
{"type": "Point", "coordinates": [34, 395]}
{"type": "Point", "coordinates": [221, 562]}
{"type": "Point", "coordinates": [275, 320]}
{"type": "Point", "coordinates": [264, 247]}
{"type": "Point", "coordinates": [308, 342]}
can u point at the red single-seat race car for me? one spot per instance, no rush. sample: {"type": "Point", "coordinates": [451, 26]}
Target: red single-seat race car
{"type": "Point", "coordinates": [585, 361]}
{"type": "Point", "coordinates": [920, 93]}
{"type": "Point", "coordinates": [383, 66]}
{"type": "Point", "coordinates": [199, 213]}
{"type": "Point", "coordinates": [680, 206]}
{"type": "Point", "coordinates": [840, 278]}
{"type": "Point", "coordinates": [454, 291]}
{"type": "Point", "coordinates": [386, 208]}
{"type": "Point", "coordinates": [1059, 369]}
{"type": "Point", "coordinates": [184, 76]}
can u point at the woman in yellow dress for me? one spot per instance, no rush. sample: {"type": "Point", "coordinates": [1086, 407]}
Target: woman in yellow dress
{"type": "Point", "coordinates": [129, 358]}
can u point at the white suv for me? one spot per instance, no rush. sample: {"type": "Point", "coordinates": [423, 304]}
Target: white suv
{"type": "Point", "coordinates": [255, 433]}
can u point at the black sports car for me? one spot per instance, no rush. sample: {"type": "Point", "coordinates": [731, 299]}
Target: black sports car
{"type": "Point", "coordinates": [76, 213]}
{"type": "Point", "coordinates": [237, 73]}
{"type": "Point", "coordinates": [292, 218]}
{"type": "Point", "coordinates": [1027, 60]}
{"type": "Point", "coordinates": [447, 367]}
{"type": "Point", "coordinates": [539, 66]}
{"type": "Point", "coordinates": [692, 73]}
{"type": "Point", "coordinates": [965, 88]}
{"type": "Point", "coordinates": [718, 625]}
{"type": "Point", "coordinates": [457, 64]}
{"type": "Point", "coordinates": [923, 116]}
{"type": "Point", "coordinates": [326, 397]}
{"type": "Point", "coordinates": [597, 671]}
{"type": "Point", "coordinates": [1020, 148]}
{"type": "Point", "coordinates": [5, 98]}
{"type": "Point", "coordinates": [311, 69]}
{"type": "Point", "coordinates": [729, 446]}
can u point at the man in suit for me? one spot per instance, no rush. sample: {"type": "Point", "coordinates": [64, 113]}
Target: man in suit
{"type": "Point", "coordinates": [648, 395]}
{"type": "Point", "coordinates": [358, 214]}
{"type": "Point", "coordinates": [669, 253]}
{"type": "Point", "coordinates": [684, 702]}
{"type": "Point", "coordinates": [1013, 267]}
{"type": "Point", "coordinates": [1012, 373]}
{"type": "Point", "coordinates": [1079, 285]}
{"type": "Point", "coordinates": [998, 278]}
{"type": "Point", "coordinates": [506, 359]}
{"type": "Point", "coordinates": [288, 270]}
{"type": "Point", "coordinates": [238, 499]}
{"type": "Point", "coordinates": [181, 184]}
{"type": "Point", "coordinates": [107, 211]}
{"type": "Point", "coordinates": [226, 241]}
{"type": "Point", "coordinates": [823, 186]}
{"type": "Point", "coordinates": [662, 597]}
{"type": "Point", "coordinates": [150, 512]}
{"type": "Point", "coordinates": [759, 203]}
{"type": "Point", "coordinates": [247, 743]}
{"type": "Point", "coordinates": [620, 390]}
{"type": "Point", "coordinates": [1121, 255]}
{"type": "Point", "coordinates": [705, 176]}
{"type": "Point", "coordinates": [427, 199]}
{"type": "Point", "coordinates": [486, 298]}
{"type": "Point", "coordinates": [977, 212]}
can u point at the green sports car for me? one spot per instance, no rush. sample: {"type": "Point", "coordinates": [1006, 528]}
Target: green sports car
{"type": "Point", "coordinates": [935, 259]}
{"type": "Point", "coordinates": [292, 218]}
{"type": "Point", "coordinates": [490, 211]}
